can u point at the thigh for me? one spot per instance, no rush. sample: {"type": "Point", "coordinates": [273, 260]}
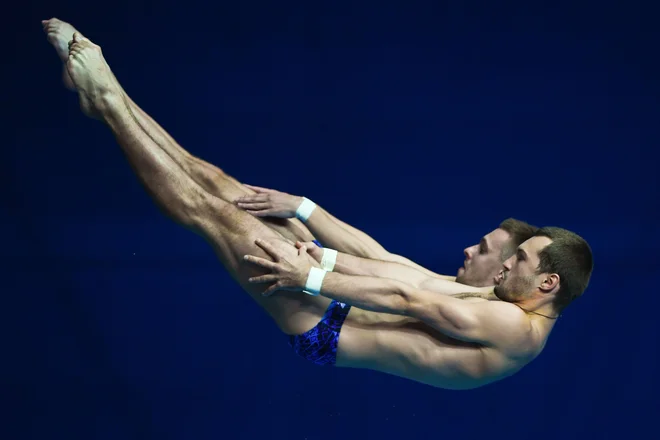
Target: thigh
{"type": "Point", "coordinates": [227, 188]}
{"type": "Point", "coordinates": [232, 234]}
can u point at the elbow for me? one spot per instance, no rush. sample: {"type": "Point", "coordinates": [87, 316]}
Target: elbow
{"type": "Point", "coordinates": [454, 320]}
{"type": "Point", "coordinates": [464, 325]}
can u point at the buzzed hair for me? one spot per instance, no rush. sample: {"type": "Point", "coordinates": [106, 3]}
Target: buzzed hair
{"type": "Point", "coordinates": [569, 256]}
{"type": "Point", "coordinates": [519, 231]}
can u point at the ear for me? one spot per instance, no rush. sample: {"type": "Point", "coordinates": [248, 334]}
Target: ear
{"type": "Point", "coordinates": [550, 282]}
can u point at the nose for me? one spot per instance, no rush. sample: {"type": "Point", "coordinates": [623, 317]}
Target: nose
{"type": "Point", "coordinates": [507, 264]}
{"type": "Point", "coordinates": [468, 252]}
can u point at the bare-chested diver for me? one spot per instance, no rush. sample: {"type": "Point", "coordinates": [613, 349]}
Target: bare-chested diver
{"type": "Point", "coordinates": [400, 329]}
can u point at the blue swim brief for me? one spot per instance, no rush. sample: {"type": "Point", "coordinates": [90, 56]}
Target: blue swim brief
{"type": "Point", "coordinates": [319, 345]}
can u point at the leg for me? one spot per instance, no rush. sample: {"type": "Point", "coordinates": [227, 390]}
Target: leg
{"type": "Point", "coordinates": [230, 231]}
{"type": "Point", "coordinates": [209, 177]}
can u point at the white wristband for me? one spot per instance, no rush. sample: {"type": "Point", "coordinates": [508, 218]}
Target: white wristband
{"type": "Point", "coordinates": [329, 259]}
{"type": "Point", "coordinates": [305, 209]}
{"type": "Point", "coordinates": [314, 281]}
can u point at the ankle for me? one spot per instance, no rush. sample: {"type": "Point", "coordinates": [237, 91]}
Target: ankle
{"type": "Point", "coordinates": [110, 104]}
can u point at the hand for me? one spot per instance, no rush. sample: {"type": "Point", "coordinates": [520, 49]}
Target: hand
{"type": "Point", "coordinates": [312, 249]}
{"type": "Point", "coordinates": [269, 203]}
{"type": "Point", "coordinates": [287, 273]}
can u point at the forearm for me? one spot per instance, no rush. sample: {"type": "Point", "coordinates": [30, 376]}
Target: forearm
{"type": "Point", "coordinates": [384, 293]}
{"type": "Point", "coordinates": [343, 237]}
{"type": "Point", "coordinates": [352, 265]}
{"type": "Point", "coordinates": [407, 262]}
{"type": "Point", "coordinates": [368, 293]}
{"type": "Point", "coordinates": [449, 315]}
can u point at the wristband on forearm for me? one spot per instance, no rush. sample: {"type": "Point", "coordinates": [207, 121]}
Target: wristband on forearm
{"type": "Point", "coordinates": [305, 209]}
{"type": "Point", "coordinates": [314, 281]}
{"type": "Point", "coordinates": [329, 259]}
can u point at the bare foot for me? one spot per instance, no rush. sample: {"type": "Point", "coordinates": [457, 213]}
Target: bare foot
{"type": "Point", "coordinates": [60, 34]}
{"type": "Point", "coordinates": [92, 77]}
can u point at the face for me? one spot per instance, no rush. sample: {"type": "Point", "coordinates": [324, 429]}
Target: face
{"type": "Point", "coordinates": [519, 279]}
{"type": "Point", "coordinates": [483, 261]}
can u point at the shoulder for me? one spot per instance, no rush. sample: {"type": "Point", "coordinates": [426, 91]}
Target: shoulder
{"type": "Point", "coordinates": [512, 329]}
{"type": "Point", "coordinates": [505, 310]}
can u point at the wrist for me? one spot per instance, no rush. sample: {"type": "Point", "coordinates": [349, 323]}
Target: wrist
{"type": "Point", "coordinates": [305, 209]}
{"type": "Point", "coordinates": [328, 259]}
{"type": "Point", "coordinates": [314, 281]}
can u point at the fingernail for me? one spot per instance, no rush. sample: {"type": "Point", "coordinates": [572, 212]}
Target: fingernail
{"type": "Point", "coordinates": [245, 257]}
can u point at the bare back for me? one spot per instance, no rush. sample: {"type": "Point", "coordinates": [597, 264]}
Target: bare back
{"type": "Point", "coordinates": [410, 349]}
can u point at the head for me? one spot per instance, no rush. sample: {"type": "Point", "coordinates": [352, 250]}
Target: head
{"type": "Point", "coordinates": [483, 261]}
{"type": "Point", "coordinates": [552, 267]}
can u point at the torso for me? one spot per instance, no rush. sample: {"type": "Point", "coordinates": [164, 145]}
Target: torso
{"type": "Point", "coordinates": [408, 348]}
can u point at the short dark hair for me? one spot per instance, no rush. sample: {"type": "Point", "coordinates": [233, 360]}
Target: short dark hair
{"type": "Point", "coordinates": [569, 256]}
{"type": "Point", "coordinates": [519, 231]}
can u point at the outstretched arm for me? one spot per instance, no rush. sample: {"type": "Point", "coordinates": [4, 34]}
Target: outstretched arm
{"type": "Point", "coordinates": [463, 320]}
{"type": "Point", "coordinates": [456, 318]}
{"type": "Point", "coordinates": [352, 265]}
{"type": "Point", "coordinates": [327, 228]}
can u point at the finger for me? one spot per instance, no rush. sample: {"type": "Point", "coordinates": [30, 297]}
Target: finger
{"type": "Point", "coordinates": [260, 262]}
{"type": "Point", "coordinates": [310, 245]}
{"type": "Point", "coordinates": [302, 250]}
{"type": "Point", "coordinates": [264, 213]}
{"type": "Point", "coordinates": [270, 278]}
{"type": "Point", "coordinates": [269, 248]}
{"type": "Point", "coordinates": [272, 289]}
{"type": "Point", "coordinates": [253, 198]}
{"type": "Point", "coordinates": [259, 189]}
{"type": "Point", "coordinates": [253, 206]}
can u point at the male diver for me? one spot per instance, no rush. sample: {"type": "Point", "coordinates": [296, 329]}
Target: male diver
{"type": "Point", "coordinates": [392, 326]}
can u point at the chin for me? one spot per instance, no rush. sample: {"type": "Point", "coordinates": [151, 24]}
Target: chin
{"type": "Point", "coordinates": [501, 292]}
{"type": "Point", "coordinates": [467, 282]}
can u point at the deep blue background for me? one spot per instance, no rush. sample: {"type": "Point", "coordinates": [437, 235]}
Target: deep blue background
{"type": "Point", "coordinates": [424, 125]}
